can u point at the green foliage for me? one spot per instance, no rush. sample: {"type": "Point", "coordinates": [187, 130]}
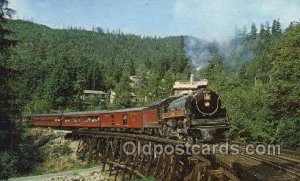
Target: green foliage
{"type": "Point", "coordinates": [58, 150]}
{"type": "Point", "coordinates": [14, 150]}
{"type": "Point", "coordinates": [5, 80]}
{"type": "Point", "coordinates": [57, 65]}
{"type": "Point", "coordinates": [262, 96]}
{"type": "Point", "coordinates": [123, 93]}
{"type": "Point", "coordinates": [167, 84]}
{"type": "Point", "coordinates": [285, 88]}
{"type": "Point", "coordinates": [39, 105]}
{"type": "Point", "coordinates": [22, 154]}
{"type": "Point", "coordinates": [249, 113]}
{"type": "Point", "coordinates": [276, 28]}
{"type": "Point", "coordinates": [5, 41]}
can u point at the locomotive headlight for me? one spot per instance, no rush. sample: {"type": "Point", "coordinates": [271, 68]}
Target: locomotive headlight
{"type": "Point", "coordinates": [206, 104]}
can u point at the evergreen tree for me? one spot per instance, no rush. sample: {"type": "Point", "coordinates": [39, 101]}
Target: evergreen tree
{"type": "Point", "coordinates": [141, 85]}
{"type": "Point", "coordinates": [130, 65]}
{"type": "Point", "coordinates": [153, 87]}
{"type": "Point", "coordinates": [5, 77]}
{"type": "Point", "coordinates": [240, 33]}
{"type": "Point", "coordinates": [95, 61]}
{"type": "Point", "coordinates": [215, 66]}
{"type": "Point", "coordinates": [262, 32]}
{"type": "Point", "coordinates": [276, 28]}
{"type": "Point", "coordinates": [244, 32]}
{"type": "Point", "coordinates": [5, 43]}
{"type": "Point", "coordinates": [123, 92]}
{"type": "Point", "coordinates": [268, 29]}
{"type": "Point", "coordinates": [16, 154]}
{"type": "Point", "coordinates": [181, 63]}
{"type": "Point", "coordinates": [285, 88]}
{"type": "Point", "coordinates": [167, 84]}
{"type": "Point", "coordinates": [253, 31]}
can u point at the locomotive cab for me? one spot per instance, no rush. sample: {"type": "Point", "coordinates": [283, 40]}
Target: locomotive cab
{"type": "Point", "coordinates": [197, 111]}
{"type": "Point", "coordinates": [185, 88]}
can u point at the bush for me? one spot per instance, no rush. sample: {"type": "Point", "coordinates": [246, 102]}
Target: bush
{"type": "Point", "coordinates": [20, 158]}
{"type": "Point", "coordinates": [61, 150]}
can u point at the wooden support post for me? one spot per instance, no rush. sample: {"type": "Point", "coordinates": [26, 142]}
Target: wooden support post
{"type": "Point", "coordinates": [149, 165]}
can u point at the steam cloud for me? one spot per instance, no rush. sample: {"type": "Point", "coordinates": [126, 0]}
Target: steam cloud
{"type": "Point", "coordinates": [199, 51]}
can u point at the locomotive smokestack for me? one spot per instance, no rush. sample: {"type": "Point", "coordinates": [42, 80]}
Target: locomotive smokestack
{"type": "Point", "coordinates": [192, 79]}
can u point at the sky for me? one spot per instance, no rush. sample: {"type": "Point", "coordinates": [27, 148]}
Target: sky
{"type": "Point", "coordinates": [205, 19]}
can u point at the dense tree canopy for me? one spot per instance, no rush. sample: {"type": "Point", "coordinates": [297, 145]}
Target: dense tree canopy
{"type": "Point", "coordinates": [261, 94]}
{"type": "Point", "coordinates": [16, 150]}
{"type": "Point", "coordinates": [57, 65]}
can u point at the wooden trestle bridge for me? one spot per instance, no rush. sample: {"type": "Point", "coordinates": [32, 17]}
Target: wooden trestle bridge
{"type": "Point", "coordinates": [108, 148]}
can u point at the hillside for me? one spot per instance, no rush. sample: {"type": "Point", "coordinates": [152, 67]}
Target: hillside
{"type": "Point", "coordinates": [258, 80]}
{"type": "Point", "coordinates": [56, 65]}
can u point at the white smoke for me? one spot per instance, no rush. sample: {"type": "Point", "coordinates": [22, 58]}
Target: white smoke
{"type": "Point", "coordinates": [197, 51]}
{"type": "Point", "coordinates": [200, 51]}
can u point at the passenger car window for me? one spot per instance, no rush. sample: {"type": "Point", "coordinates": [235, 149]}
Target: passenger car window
{"type": "Point", "coordinates": [125, 119]}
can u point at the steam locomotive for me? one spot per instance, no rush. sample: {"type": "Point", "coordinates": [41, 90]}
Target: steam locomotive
{"type": "Point", "coordinates": [192, 112]}
{"type": "Point", "coordinates": [197, 115]}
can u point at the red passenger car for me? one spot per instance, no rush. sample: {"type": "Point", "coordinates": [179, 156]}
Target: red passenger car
{"type": "Point", "coordinates": [124, 118]}
{"type": "Point", "coordinates": [151, 118]}
{"type": "Point", "coordinates": [135, 118]}
{"type": "Point", "coordinates": [46, 120]}
{"type": "Point", "coordinates": [81, 119]}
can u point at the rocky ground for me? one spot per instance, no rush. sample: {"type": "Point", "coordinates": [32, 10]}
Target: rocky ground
{"type": "Point", "coordinates": [89, 174]}
{"type": "Point", "coordinates": [59, 159]}
{"type": "Point", "coordinates": [94, 176]}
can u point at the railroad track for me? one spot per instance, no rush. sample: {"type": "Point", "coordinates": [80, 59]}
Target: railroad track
{"type": "Point", "coordinates": [106, 147]}
{"type": "Point", "coordinates": [288, 163]}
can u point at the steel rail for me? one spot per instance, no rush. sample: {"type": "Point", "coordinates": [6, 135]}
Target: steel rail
{"type": "Point", "coordinates": [265, 160]}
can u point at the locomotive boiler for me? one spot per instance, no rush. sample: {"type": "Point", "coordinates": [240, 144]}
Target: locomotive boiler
{"type": "Point", "coordinates": [203, 103]}
{"type": "Point", "coordinates": [203, 119]}
{"type": "Point", "coordinates": [195, 112]}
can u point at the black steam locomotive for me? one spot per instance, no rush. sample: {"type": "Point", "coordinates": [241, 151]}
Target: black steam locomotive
{"type": "Point", "coordinates": [194, 114]}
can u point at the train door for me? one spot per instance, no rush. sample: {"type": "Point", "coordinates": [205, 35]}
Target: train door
{"type": "Point", "coordinates": [112, 118]}
{"type": "Point", "coordinates": [124, 120]}
{"type": "Point", "coordinates": [106, 120]}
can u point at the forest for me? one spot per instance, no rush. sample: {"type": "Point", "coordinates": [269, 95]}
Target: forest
{"type": "Point", "coordinates": [57, 65]}
{"type": "Point", "coordinates": [257, 76]}
{"type": "Point", "coordinates": [262, 94]}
